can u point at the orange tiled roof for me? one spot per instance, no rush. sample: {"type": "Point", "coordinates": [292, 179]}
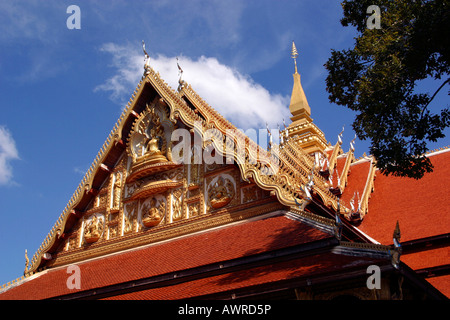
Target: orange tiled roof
{"type": "Point", "coordinates": [420, 206]}
{"type": "Point", "coordinates": [441, 283]}
{"type": "Point", "coordinates": [356, 182]}
{"type": "Point", "coordinates": [317, 265]}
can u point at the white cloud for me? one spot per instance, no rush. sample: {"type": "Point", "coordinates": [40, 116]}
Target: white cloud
{"type": "Point", "coordinates": [234, 95]}
{"type": "Point", "coordinates": [8, 152]}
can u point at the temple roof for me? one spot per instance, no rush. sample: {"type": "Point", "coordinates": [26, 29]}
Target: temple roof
{"type": "Point", "coordinates": [289, 216]}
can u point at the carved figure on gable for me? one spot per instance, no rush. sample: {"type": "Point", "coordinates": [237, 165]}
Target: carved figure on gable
{"type": "Point", "coordinates": [177, 204]}
{"type": "Point", "coordinates": [128, 226]}
{"type": "Point", "coordinates": [149, 140]}
{"type": "Point", "coordinates": [153, 215]}
{"type": "Point", "coordinates": [117, 190]}
{"type": "Point", "coordinates": [93, 230]}
{"type": "Point", "coordinates": [193, 209]}
{"type": "Point", "coordinates": [221, 193]}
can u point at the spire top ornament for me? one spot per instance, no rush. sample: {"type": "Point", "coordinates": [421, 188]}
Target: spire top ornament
{"type": "Point", "coordinates": [294, 55]}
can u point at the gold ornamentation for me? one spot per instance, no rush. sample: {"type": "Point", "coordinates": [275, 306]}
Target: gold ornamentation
{"type": "Point", "coordinates": [128, 225]}
{"type": "Point", "coordinates": [249, 194]}
{"type": "Point", "coordinates": [194, 209]}
{"type": "Point", "coordinates": [93, 229]}
{"type": "Point", "coordinates": [113, 231]}
{"type": "Point", "coordinates": [221, 192]}
{"type": "Point", "coordinates": [153, 214]}
{"type": "Point", "coordinates": [177, 204]}
{"type": "Point", "coordinates": [71, 243]}
{"type": "Point", "coordinates": [130, 214]}
{"type": "Point", "coordinates": [167, 232]}
{"type": "Point", "coordinates": [117, 190]}
{"type": "Point", "coordinates": [147, 141]}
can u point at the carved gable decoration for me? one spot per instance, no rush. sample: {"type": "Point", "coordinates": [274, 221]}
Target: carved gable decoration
{"type": "Point", "coordinates": [221, 191]}
{"type": "Point", "coordinates": [93, 228]}
{"type": "Point", "coordinates": [149, 142]}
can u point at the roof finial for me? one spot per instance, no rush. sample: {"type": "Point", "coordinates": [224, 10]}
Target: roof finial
{"type": "Point", "coordinates": [352, 144]}
{"type": "Point", "coordinates": [181, 82]}
{"type": "Point", "coordinates": [294, 55]}
{"type": "Point", "coordinates": [27, 261]}
{"type": "Point", "coordinates": [146, 59]}
{"type": "Point", "coordinates": [397, 250]}
{"type": "Point", "coordinates": [340, 135]}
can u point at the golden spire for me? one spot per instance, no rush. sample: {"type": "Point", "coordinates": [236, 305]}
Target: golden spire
{"type": "Point", "coordinates": [299, 106]}
{"type": "Point", "coordinates": [294, 55]}
{"type": "Point", "coordinates": [308, 136]}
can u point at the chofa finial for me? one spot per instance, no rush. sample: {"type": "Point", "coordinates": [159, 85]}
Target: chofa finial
{"type": "Point", "coordinates": [146, 59]}
{"type": "Point", "coordinates": [181, 82]}
{"type": "Point", "coordinates": [27, 261]}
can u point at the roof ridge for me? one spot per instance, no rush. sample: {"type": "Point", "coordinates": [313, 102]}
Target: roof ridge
{"type": "Point", "coordinates": [437, 151]}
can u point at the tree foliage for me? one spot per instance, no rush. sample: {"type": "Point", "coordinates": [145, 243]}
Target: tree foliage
{"type": "Point", "coordinates": [378, 79]}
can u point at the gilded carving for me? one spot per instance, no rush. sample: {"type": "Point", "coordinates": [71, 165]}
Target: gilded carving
{"type": "Point", "coordinates": [177, 204]}
{"type": "Point", "coordinates": [129, 216]}
{"type": "Point", "coordinates": [220, 192]}
{"type": "Point", "coordinates": [116, 191]}
{"type": "Point", "coordinates": [127, 225]}
{"type": "Point", "coordinates": [93, 228]}
{"type": "Point", "coordinates": [71, 243]}
{"type": "Point", "coordinates": [249, 194]}
{"type": "Point", "coordinates": [148, 141]}
{"type": "Point", "coordinates": [113, 231]}
{"type": "Point", "coordinates": [194, 209]}
{"type": "Point", "coordinates": [153, 212]}
{"type": "Point", "coordinates": [150, 137]}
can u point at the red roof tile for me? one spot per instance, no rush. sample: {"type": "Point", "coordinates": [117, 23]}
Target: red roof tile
{"type": "Point", "coordinates": [420, 206]}
{"type": "Point", "coordinates": [356, 182]}
{"type": "Point", "coordinates": [441, 283]}
{"type": "Point", "coordinates": [298, 268]}
{"type": "Point", "coordinates": [427, 258]}
{"type": "Point", "coordinates": [337, 173]}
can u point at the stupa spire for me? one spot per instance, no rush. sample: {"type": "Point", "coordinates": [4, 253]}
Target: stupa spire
{"type": "Point", "coordinates": [307, 135]}
{"type": "Point", "coordinates": [299, 106]}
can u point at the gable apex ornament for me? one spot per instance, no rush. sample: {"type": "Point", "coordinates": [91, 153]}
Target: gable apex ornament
{"type": "Point", "coordinates": [146, 60]}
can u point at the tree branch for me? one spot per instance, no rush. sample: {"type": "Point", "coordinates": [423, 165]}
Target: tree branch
{"type": "Point", "coordinates": [434, 95]}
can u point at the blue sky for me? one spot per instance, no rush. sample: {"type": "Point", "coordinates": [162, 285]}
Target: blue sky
{"type": "Point", "coordinates": [61, 90]}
